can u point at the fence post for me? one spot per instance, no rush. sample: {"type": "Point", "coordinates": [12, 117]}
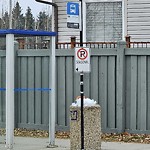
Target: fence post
{"type": "Point", "coordinates": [21, 43]}
{"type": "Point", "coordinates": [73, 40]}
{"type": "Point", "coordinates": [128, 41]}
{"type": "Point", "coordinates": [121, 45]}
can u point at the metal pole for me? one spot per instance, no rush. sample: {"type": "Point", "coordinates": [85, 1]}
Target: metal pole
{"type": "Point", "coordinates": [82, 113]}
{"type": "Point", "coordinates": [52, 96]}
{"type": "Point", "coordinates": [9, 91]}
{"type": "Point", "coordinates": [81, 82]}
{"type": "Point", "coordinates": [10, 14]}
{"type": "Point", "coordinates": [81, 25]}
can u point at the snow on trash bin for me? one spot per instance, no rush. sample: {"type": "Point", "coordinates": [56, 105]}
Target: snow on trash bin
{"type": "Point", "coordinates": [92, 125]}
{"type": "Point", "coordinates": [87, 102]}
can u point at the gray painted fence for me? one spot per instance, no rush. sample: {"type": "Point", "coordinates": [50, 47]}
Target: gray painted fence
{"type": "Point", "coordinates": [119, 81]}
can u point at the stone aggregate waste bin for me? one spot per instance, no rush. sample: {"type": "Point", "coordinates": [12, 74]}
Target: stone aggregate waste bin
{"type": "Point", "coordinates": [92, 127]}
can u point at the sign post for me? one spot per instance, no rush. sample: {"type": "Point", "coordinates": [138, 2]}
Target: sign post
{"type": "Point", "coordinates": [82, 64]}
{"type": "Point", "coordinates": [82, 55]}
{"type": "Point", "coordinates": [82, 105]}
{"type": "Point", "coordinates": [81, 80]}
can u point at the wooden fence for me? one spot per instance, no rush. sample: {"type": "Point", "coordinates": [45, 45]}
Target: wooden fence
{"type": "Point", "coordinates": [119, 81]}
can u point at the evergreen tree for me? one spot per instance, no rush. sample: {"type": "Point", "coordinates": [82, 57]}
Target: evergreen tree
{"type": "Point", "coordinates": [29, 25]}
{"type": "Point", "coordinates": [4, 24]}
{"type": "Point", "coordinates": [18, 18]}
{"type": "Point", "coordinates": [49, 23]}
{"type": "Point", "coordinates": [29, 20]}
{"type": "Point", "coordinates": [1, 23]}
{"type": "Point", "coordinates": [5, 20]}
{"type": "Point", "coordinates": [43, 21]}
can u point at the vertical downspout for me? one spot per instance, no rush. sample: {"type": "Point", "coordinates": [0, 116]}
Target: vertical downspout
{"type": "Point", "coordinates": [55, 15]}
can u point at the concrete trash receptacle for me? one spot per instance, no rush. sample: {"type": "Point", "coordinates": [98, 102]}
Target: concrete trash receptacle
{"type": "Point", "coordinates": [92, 127]}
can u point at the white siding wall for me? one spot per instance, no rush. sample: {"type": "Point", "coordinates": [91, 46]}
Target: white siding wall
{"type": "Point", "coordinates": [138, 20]}
{"type": "Point", "coordinates": [65, 33]}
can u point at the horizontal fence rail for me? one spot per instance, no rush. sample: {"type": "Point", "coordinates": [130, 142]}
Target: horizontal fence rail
{"type": "Point", "coordinates": [138, 44]}
{"type": "Point", "coordinates": [69, 45]}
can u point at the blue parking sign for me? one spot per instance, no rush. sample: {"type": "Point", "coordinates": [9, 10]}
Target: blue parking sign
{"type": "Point", "coordinates": [72, 8]}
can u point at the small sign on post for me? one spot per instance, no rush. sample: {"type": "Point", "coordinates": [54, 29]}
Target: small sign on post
{"type": "Point", "coordinates": [73, 18]}
{"type": "Point", "coordinates": [82, 60]}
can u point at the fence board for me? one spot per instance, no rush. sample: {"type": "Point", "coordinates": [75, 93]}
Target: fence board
{"type": "Point", "coordinates": [18, 99]}
{"type": "Point", "coordinates": [87, 85]}
{"type": "Point", "coordinates": [103, 89]}
{"type": "Point", "coordinates": [69, 87]}
{"type": "Point", "coordinates": [94, 79]}
{"type": "Point", "coordinates": [133, 104]}
{"type": "Point", "coordinates": [24, 105]}
{"type": "Point", "coordinates": [143, 93]}
{"type": "Point", "coordinates": [38, 94]}
{"type": "Point", "coordinates": [61, 97]}
{"type": "Point", "coordinates": [1, 99]}
{"type": "Point", "coordinates": [4, 85]}
{"type": "Point", "coordinates": [111, 92]}
{"type": "Point", "coordinates": [16, 78]}
{"type": "Point", "coordinates": [45, 95]}
{"type": "Point", "coordinates": [76, 84]}
{"type": "Point", "coordinates": [139, 95]}
{"type": "Point", "coordinates": [30, 96]}
{"type": "Point", "coordinates": [148, 92]}
{"type": "Point", "coordinates": [128, 89]}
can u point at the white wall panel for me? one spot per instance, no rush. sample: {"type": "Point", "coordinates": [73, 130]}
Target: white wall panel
{"type": "Point", "coordinates": [138, 20]}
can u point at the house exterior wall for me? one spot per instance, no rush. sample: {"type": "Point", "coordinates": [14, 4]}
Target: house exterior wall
{"type": "Point", "coordinates": [64, 33]}
{"type": "Point", "coordinates": [136, 20]}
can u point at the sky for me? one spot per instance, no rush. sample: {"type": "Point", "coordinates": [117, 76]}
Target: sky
{"type": "Point", "coordinates": [35, 6]}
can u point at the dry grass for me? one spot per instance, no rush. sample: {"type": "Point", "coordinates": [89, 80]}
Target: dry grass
{"type": "Point", "coordinates": [113, 137]}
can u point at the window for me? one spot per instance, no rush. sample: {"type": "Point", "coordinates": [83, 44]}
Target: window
{"type": "Point", "coordinates": [103, 21]}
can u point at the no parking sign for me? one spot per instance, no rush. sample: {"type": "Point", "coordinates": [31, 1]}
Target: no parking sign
{"type": "Point", "coordinates": [82, 60]}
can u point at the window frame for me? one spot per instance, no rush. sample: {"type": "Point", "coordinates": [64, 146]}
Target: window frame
{"type": "Point", "coordinates": [124, 16]}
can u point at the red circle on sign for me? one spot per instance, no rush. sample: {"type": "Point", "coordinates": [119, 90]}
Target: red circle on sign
{"type": "Point", "coordinates": [82, 54]}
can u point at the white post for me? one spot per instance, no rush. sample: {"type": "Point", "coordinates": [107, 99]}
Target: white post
{"type": "Point", "coordinates": [9, 91]}
{"type": "Point", "coordinates": [52, 97]}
